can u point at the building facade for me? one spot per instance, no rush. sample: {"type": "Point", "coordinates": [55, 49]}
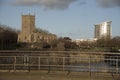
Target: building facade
{"type": "Point", "coordinates": [29, 33]}
{"type": "Point", "coordinates": [103, 30]}
{"type": "Point", "coordinates": [90, 40]}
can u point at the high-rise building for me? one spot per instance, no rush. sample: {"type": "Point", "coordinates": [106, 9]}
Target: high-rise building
{"type": "Point", "coordinates": [29, 34]}
{"type": "Point", "coordinates": [103, 30]}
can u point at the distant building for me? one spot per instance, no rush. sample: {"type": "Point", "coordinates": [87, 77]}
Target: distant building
{"type": "Point", "coordinates": [90, 40]}
{"type": "Point", "coordinates": [103, 30]}
{"type": "Point", "coordinates": [29, 34]}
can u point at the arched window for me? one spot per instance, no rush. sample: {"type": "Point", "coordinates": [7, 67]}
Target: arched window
{"type": "Point", "coordinates": [32, 38]}
{"type": "Point", "coordinates": [19, 39]}
{"type": "Point", "coordinates": [25, 37]}
{"type": "Point", "coordinates": [38, 37]}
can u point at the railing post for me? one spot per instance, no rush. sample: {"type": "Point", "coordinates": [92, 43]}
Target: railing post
{"type": "Point", "coordinates": [48, 65]}
{"type": "Point", "coordinates": [117, 66]}
{"type": "Point", "coordinates": [90, 64]}
{"type": "Point", "coordinates": [39, 62]}
{"type": "Point", "coordinates": [28, 63]}
{"type": "Point", "coordinates": [63, 63]}
{"type": "Point", "coordinates": [14, 64]}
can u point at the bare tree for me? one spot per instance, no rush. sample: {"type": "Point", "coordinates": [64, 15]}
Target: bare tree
{"type": "Point", "coordinates": [8, 37]}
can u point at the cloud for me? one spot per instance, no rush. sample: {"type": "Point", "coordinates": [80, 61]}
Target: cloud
{"type": "Point", "coordinates": [59, 4]}
{"type": "Point", "coordinates": [82, 3]}
{"type": "Point", "coordinates": [109, 3]}
{"type": "Point", "coordinates": [46, 4]}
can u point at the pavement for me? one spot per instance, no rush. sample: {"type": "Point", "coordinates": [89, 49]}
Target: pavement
{"type": "Point", "coordinates": [57, 75]}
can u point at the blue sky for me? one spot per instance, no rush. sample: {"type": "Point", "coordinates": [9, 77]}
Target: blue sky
{"type": "Point", "coordinates": [72, 18]}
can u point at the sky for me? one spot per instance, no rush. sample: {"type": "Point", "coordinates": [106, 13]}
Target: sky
{"type": "Point", "coordinates": [65, 18]}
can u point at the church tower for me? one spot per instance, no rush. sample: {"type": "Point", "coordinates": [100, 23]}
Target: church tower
{"type": "Point", "coordinates": [28, 24]}
{"type": "Point", "coordinates": [28, 27]}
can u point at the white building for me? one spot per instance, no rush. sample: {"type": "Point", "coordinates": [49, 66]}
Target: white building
{"type": "Point", "coordinates": [103, 30]}
{"type": "Point", "coordinates": [90, 40]}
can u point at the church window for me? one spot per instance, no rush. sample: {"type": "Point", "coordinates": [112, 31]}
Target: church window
{"type": "Point", "coordinates": [32, 38]}
{"type": "Point", "coordinates": [25, 21]}
{"type": "Point", "coordinates": [38, 37]}
{"type": "Point", "coordinates": [25, 37]}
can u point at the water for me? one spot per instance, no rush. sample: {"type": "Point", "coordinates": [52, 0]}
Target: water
{"type": "Point", "coordinates": [93, 67]}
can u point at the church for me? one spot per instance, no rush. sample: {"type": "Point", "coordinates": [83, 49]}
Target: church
{"type": "Point", "coordinates": [29, 33]}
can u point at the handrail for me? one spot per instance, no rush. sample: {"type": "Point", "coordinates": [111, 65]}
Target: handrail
{"type": "Point", "coordinates": [79, 62]}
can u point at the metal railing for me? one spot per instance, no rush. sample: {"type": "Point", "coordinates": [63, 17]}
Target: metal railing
{"type": "Point", "coordinates": [60, 61]}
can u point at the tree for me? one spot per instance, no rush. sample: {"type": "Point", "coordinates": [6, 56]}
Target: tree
{"type": "Point", "coordinates": [68, 44]}
{"type": "Point", "coordinates": [115, 42]}
{"type": "Point", "coordinates": [8, 37]}
{"type": "Point", "coordinates": [109, 44]}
